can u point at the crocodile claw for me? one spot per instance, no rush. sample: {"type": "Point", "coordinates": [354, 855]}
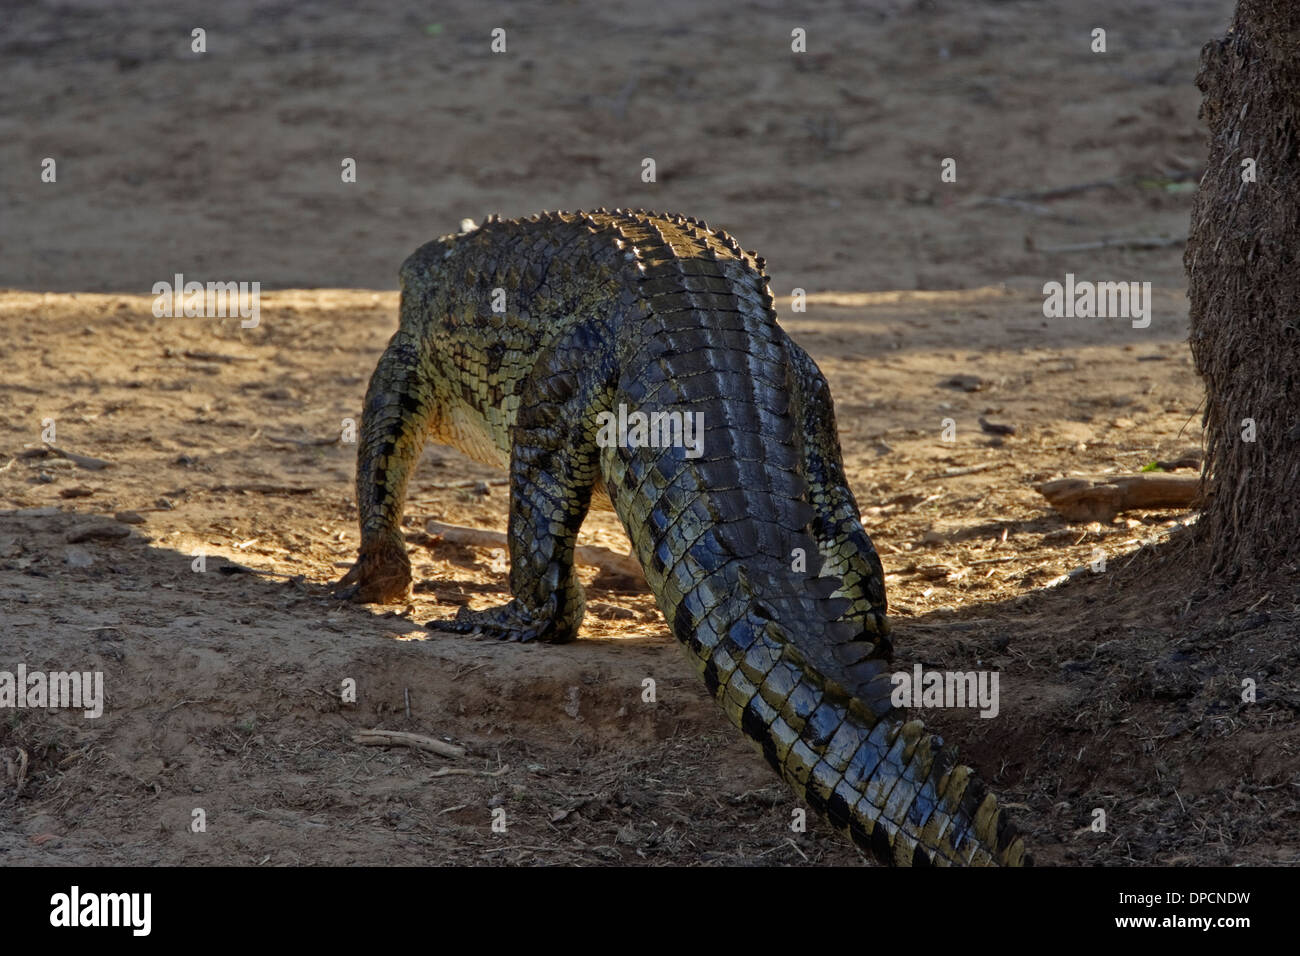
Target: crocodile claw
{"type": "Point", "coordinates": [505, 622]}
{"type": "Point", "coordinates": [381, 575]}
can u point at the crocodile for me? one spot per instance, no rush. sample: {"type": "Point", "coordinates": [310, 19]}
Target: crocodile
{"type": "Point", "coordinates": [544, 346]}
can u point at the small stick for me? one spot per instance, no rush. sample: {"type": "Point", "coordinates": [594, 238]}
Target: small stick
{"type": "Point", "coordinates": [461, 771]}
{"type": "Point", "coordinates": [1151, 242]}
{"type": "Point", "coordinates": [468, 483]}
{"type": "Point", "coordinates": [968, 470]}
{"type": "Point", "coordinates": [216, 357]}
{"type": "Point", "coordinates": [266, 489]}
{"type": "Point", "coordinates": [82, 461]}
{"type": "Point", "coordinates": [1053, 192]}
{"type": "Point", "coordinates": [400, 738]}
{"type": "Point", "coordinates": [306, 442]}
{"type": "Point", "coordinates": [1030, 207]}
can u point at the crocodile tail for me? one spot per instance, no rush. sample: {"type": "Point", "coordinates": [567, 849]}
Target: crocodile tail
{"type": "Point", "coordinates": [893, 788]}
{"type": "Point", "coordinates": [766, 643]}
{"type": "Point", "coordinates": [720, 519]}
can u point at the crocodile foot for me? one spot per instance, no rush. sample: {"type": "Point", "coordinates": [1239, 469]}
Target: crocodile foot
{"type": "Point", "coordinates": [508, 622]}
{"type": "Point", "coordinates": [382, 575]}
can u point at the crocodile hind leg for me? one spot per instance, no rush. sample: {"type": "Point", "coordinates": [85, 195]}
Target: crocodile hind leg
{"type": "Point", "coordinates": [394, 426]}
{"type": "Point", "coordinates": [554, 462]}
{"type": "Point", "coordinates": [846, 549]}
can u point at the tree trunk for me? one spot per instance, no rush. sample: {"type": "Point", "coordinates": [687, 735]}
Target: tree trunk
{"type": "Point", "coordinates": [1244, 285]}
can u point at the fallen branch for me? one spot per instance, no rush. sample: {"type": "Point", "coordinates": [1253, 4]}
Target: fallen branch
{"type": "Point", "coordinates": [400, 738]}
{"type": "Point", "coordinates": [1084, 499]}
{"type": "Point", "coordinates": [595, 556]}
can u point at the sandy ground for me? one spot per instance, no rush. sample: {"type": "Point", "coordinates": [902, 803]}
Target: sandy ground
{"type": "Point", "coordinates": [1120, 690]}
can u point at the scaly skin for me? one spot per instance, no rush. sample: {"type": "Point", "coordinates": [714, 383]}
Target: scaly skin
{"type": "Point", "coordinates": [753, 549]}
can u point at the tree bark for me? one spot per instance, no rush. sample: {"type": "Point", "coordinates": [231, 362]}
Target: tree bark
{"type": "Point", "coordinates": [1244, 287]}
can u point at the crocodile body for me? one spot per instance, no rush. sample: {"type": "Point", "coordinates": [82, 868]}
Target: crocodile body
{"type": "Point", "coordinates": [520, 342]}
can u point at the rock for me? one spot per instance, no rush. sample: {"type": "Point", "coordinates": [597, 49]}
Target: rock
{"type": "Point", "coordinates": [102, 532]}
{"type": "Point", "coordinates": [77, 558]}
{"type": "Point", "coordinates": [968, 383]}
{"type": "Point", "coordinates": [996, 428]}
{"type": "Point", "coordinates": [571, 702]}
{"type": "Point", "coordinates": [611, 611]}
{"type": "Point", "coordinates": [1070, 431]}
{"type": "Point", "coordinates": [36, 512]}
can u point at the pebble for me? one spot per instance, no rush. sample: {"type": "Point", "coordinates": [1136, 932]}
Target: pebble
{"type": "Point", "coordinates": [77, 558]}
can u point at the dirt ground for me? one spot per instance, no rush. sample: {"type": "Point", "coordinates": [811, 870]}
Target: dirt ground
{"type": "Point", "coordinates": [1121, 690]}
